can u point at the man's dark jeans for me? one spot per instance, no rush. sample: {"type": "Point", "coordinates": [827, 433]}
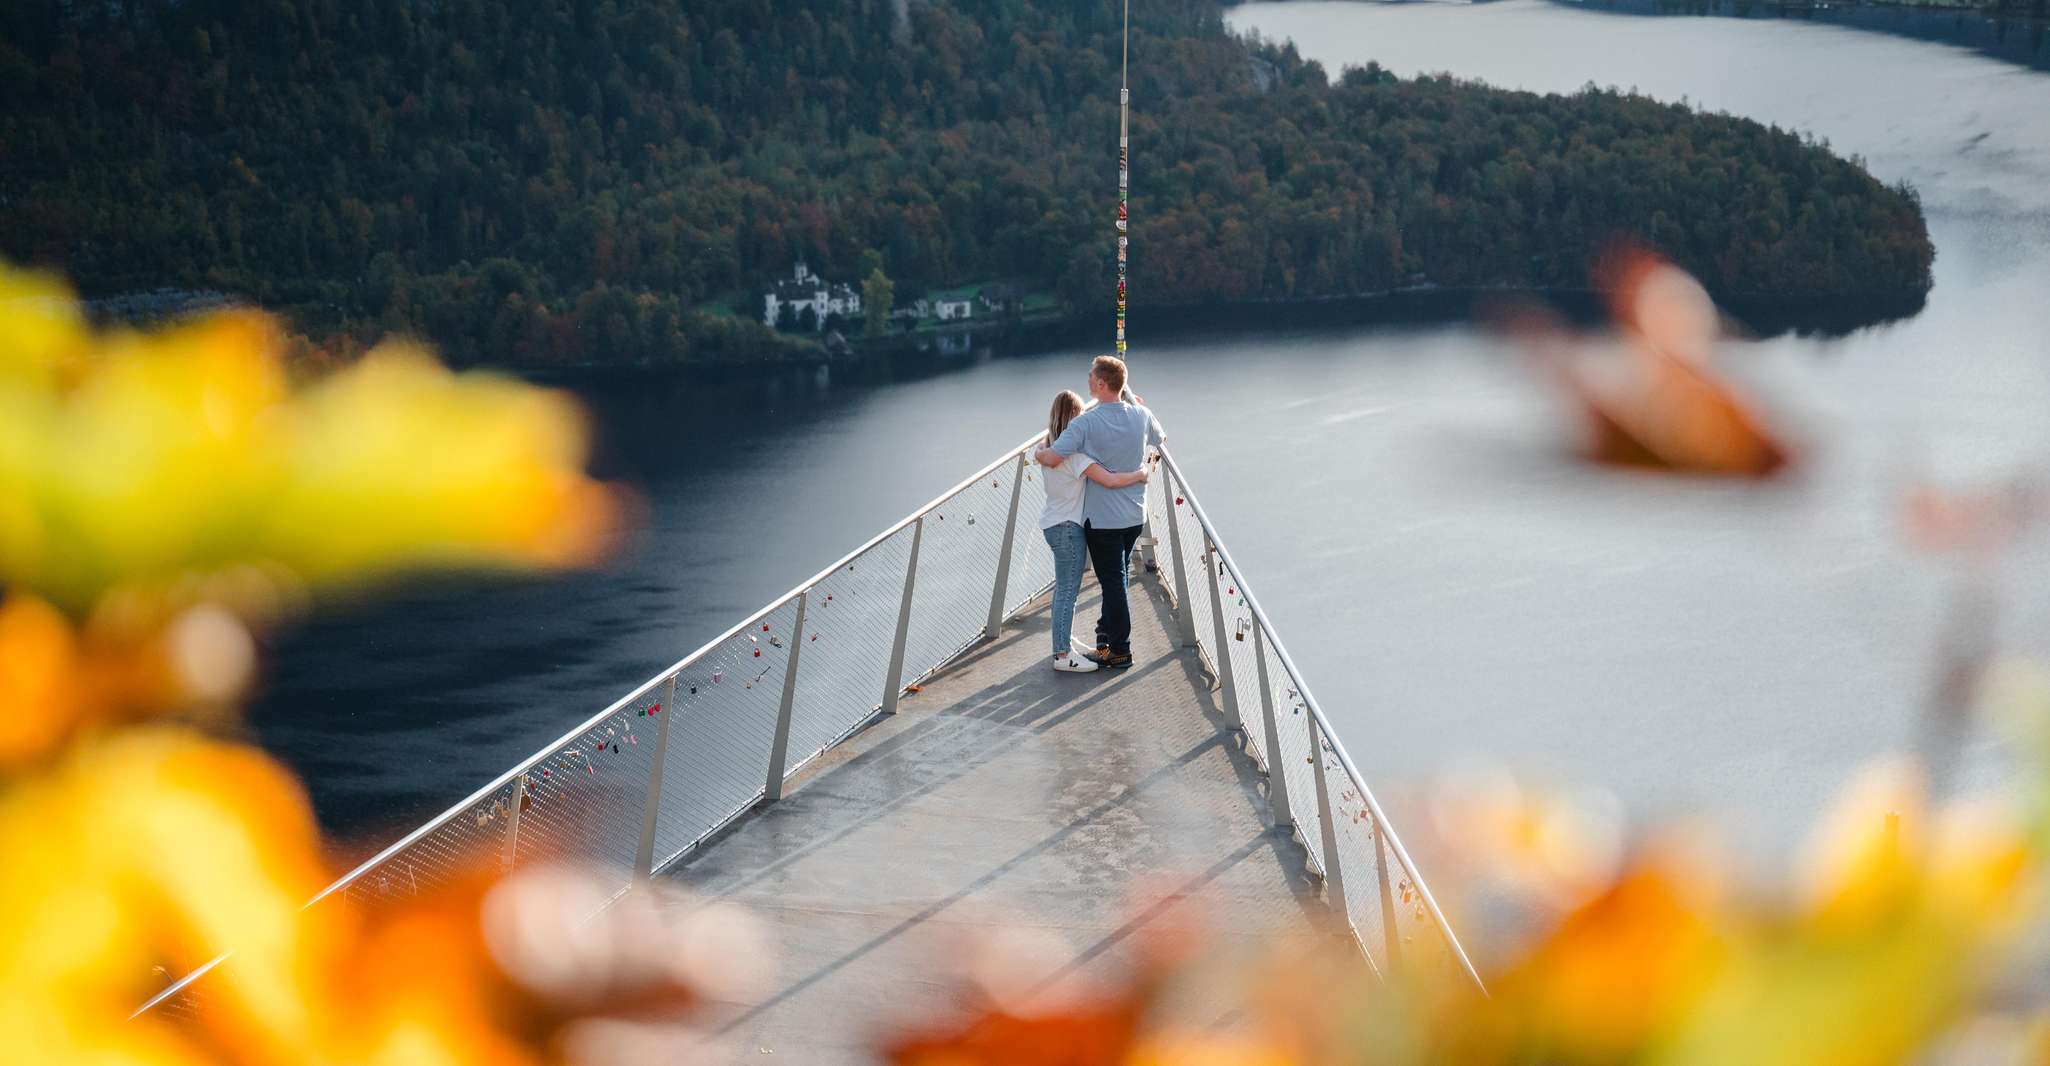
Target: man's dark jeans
{"type": "Point", "coordinates": [1110, 555]}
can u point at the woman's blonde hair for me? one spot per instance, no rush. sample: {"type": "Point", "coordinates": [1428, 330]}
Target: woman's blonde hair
{"type": "Point", "coordinates": [1066, 405]}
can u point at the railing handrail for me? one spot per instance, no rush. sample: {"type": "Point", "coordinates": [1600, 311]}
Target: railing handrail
{"type": "Point", "coordinates": [1329, 735]}
{"type": "Point", "coordinates": [527, 765]}
{"type": "Point", "coordinates": [1320, 733]}
{"type": "Point", "coordinates": [675, 669]}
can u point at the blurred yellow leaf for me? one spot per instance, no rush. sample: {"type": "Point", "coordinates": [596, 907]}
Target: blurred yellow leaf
{"type": "Point", "coordinates": [1618, 970]}
{"type": "Point", "coordinates": [41, 329]}
{"type": "Point", "coordinates": [59, 681]}
{"type": "Point", "coordinates": [170, 456]}
{"type": "Point", "coordinates": [38, 678]}
{"type": "Point", "coordinates": [153, 847]}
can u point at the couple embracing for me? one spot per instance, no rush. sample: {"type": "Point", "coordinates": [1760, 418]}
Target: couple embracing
{"type": "Point", "coordinates": [1097, 464]}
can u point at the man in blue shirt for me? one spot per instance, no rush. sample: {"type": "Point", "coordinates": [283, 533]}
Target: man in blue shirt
{"type": "Point", "coordinates": [1117, 434]}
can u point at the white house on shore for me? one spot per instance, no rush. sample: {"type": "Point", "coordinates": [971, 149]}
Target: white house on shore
{"type": "Point", "coordinates": [946, 310]}
{"type": "Point", "coordinates": [806, 291]}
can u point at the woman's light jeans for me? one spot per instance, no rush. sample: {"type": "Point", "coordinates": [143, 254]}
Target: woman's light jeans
{"type": "Point", "coordinates": [1069, 555]}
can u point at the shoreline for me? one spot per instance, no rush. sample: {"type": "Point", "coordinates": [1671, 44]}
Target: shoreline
{"type": "Point", "coordinates": [1414, 306]}
{"type": "Point", "coordinates": [1761, 315]}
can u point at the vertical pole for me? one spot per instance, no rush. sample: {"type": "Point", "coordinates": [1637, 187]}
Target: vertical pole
{"type": "Point", "coordinates": [779, 749]}
{"type": "Point", "coordinates": [1277, 779]}
{"type": "Point", "coordinates": [895, 686]}
{"type": "Point", "coordinates": [1003, 584]}
{"type": "Point", "coordinates": [512, 829]}
{"type": "Point", "coordinates": [1187, 612]}
{"type": "Point", "coordinates": [644, 855]}
{"type": "Point", "coordinates": [1334, 874]}
{"type": "Point", "coordinates": [1124, 162]}
{"type": "Point", "coordinates": [1223, 663]}
{"type": "Point", "coordinates": [1388, 929]}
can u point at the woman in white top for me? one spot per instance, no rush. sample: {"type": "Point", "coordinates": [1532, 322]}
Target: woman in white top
{"type": "Point", "coordinates": [1061, 522]}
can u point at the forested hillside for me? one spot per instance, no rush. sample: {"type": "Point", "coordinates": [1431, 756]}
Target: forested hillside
{"type": "Point", "coordinates": [575, 180]}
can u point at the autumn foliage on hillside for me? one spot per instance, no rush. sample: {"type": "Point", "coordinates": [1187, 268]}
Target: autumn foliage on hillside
{"type": "Point", "coordinates": [558, 182]}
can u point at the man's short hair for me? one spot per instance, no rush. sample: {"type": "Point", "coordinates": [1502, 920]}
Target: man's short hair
{"type": "Point", "coordinates": [1110, 370]}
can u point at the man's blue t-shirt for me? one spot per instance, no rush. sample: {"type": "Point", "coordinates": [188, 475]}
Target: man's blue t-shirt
{"type": "Point", "coordinates": [1116, 436]}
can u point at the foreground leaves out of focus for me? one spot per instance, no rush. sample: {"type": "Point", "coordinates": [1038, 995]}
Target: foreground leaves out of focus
{"type": "Point", "coordinates": [1647, 395]}
{"type": "Point", "coordinates": [158, 490]}
{"type": "Point", "coordinates": [1897, 941]}
{"type": "Point", "coordinates": [163, 495]}
{"type": "Point", "coordinates": [216, 848]}
{"type": "Point", "coordinates": [1911, 930]}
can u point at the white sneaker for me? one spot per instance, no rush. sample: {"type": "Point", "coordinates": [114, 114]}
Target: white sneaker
{"type": "Point", "coordinates": [1073, 664]}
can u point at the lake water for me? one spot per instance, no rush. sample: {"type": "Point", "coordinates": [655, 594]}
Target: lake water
{"type": "Point", "coordinates": [1456, 591]}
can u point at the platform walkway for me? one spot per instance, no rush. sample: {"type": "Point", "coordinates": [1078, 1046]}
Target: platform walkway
{"type": "Point", "coordinates": [1003, 795]}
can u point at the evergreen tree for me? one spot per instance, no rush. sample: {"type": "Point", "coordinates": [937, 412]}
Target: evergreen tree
{"type": "Point", "coordinates": [878, 297]}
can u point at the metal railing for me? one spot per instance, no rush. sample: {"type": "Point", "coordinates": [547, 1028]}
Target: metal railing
{"type": "Point", "coordinates": [629, 791]}
{"type": "Point", "coordinates": [1313, 786]}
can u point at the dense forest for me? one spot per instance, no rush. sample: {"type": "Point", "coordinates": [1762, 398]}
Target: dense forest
{"type": "Point", "coordinates": [567, 181]}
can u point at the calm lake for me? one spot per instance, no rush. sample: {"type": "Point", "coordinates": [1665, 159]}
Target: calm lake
{"type": "Point", "coordinates": [1456, 591]}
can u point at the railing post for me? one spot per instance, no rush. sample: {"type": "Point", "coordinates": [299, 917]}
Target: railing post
{"type": "Point", "coordinates": [779, 749]}
{"type": "Point", "coordinates": [512, 827]}
{"type": "Point", "coordinates": [1003, 585]}
{"type": "Point", "coordinates": [1334, 875]}
{"type": "Point", "coordinates": [1149, 537]}
{"type": "Point", "coordinates": [1186, 620]}
{"type": "Point", "coordinates": [1388, 932]}
{"type": "Point", "coordinates": [894, 687]}
{"type": "Point", "coordinates": [1223, 663]}
{"type": "Point", "coordinates": [644, 854]}
{"type": "Point", "coordinates": [1277, 778]}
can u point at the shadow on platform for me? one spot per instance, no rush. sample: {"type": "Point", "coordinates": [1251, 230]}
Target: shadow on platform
{"type": "Point", "coordinates": [1004, 795]}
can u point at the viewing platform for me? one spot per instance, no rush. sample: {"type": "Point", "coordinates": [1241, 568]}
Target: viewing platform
{"type": "Point", "coordinates": [882, 761]}
{"type": "Point", "coordinates": [1005, 795]}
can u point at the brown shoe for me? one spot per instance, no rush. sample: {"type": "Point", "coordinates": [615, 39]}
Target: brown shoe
{"type": "Point", "coordinates": [1101, 653]}
{"type": "Point", "coordinates": [1115, 662]}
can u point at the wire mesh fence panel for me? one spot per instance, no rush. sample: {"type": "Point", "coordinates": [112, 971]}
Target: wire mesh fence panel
{"type": "Point", "coordinates": [844, 656]}
{"type": "Point", "coordinates": [459, 842]}
{"type": "Point", "coordinates": [585, 800]}
{"type": "Point", "coordinates": [1386, 905]}
{"type": "Point", "coordinates": [1427, 949]}
{"type": "Point", "coordinates": [957, 563]}
{"type": "Point", "coordinates": [1424, 948]}
{"type": "Point", "coordinates": [1292, 762]}
{"type": "Point", "coordinates": [1159, 512]}
{"type": "Point", "coordinates": [1031, 559]}
{"type": "Point", "coordinates": [1371, 889]}
{"type": "Point", "coordinates": [186, 1004]}
{"type": "Point", "coordinates": [717, 758]}
{"type": "Point", "coordinates": [1239, 648]}
{"type": "Point", "coordinates": [1201, 567]}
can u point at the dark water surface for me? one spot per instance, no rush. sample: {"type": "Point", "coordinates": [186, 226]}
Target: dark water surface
{"type": "Point", "coordinates": [1454, 590]}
